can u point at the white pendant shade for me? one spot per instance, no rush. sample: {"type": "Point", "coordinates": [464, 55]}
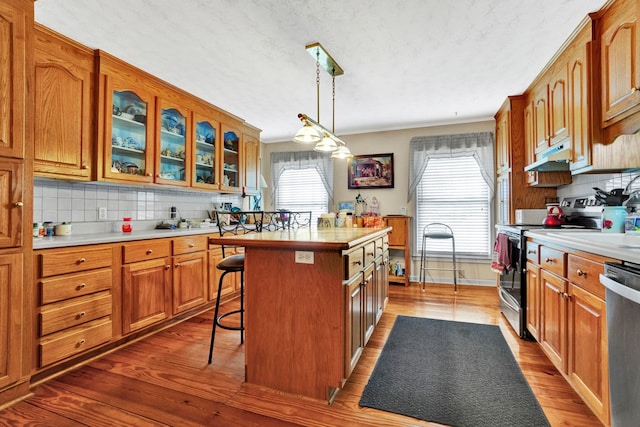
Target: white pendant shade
{"type": "Point", "coordinates": [327, 145]}
{"type": "Point", "coordinates": [341, 153]}
{"type": "Point", "coordinates": [307, 135]}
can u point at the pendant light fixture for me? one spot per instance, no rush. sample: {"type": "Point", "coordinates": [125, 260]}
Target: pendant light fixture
{"type": "Point", "coordinates": [312, 132]}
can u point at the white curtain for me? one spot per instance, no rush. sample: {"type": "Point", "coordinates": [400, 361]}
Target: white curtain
{"type": "Point", "coordinates": [282, 161]}
{"type": "Point", "coordinates": [478, 145]}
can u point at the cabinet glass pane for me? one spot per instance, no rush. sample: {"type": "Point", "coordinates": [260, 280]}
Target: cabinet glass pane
{"type": "Point", "coordinates": [231, 166]}
{"type": "Point", "coordinates": [172, 145]}
{"type": "Point", "coordinates": [128, 133]}
{"type": "Point", "coordinates": [205, 157]}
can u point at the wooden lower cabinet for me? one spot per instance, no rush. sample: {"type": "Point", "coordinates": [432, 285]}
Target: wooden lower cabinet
{"type": "Point", "coordinates": [146, 292]}
{"type": "Point", "coordinates": [355, 328]}
{"type": "Point", "coordinates": [572, 328]}
{"type": "Point", "coordinates": [189, 281]}
{"type": "Point", "coordinates": [10, 318]}
{"type": "Point", "coordinates": [533, 293]}
{"type": "Point", "coordinates": [75, 301]}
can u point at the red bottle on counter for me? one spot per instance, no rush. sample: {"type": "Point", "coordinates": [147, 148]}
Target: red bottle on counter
{"type": "Point", "coordinates": [126, 225]}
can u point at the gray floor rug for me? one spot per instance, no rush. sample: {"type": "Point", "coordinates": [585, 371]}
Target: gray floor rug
{"type": "Point", "coordinates": [454, 373]}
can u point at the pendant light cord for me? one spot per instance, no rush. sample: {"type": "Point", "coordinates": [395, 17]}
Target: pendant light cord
{"type": "Point", "coordinates": [318, 83]}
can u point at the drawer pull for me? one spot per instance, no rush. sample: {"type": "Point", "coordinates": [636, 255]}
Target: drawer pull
{"type": "Point", "coordinates": [549, 260]}
{"type": "Point", "coordinates": [149, 251]}
{"type": "Point", "coordinates": [191, 245]}
{"type": "Point", "coordinates": [357, 262]}
{"type": "Point", "coordinates": [581, 273]}
{"type": "Point", "coordinates": [81, 314]}
{"type": "Point", "coordinates": [82, 341]}
{"type": "Point", "coordinates": [81, 286]}
{"type": "Point", "coordinates": [531, 251]}
{"type": "Point", "coordinates": [81, 260]}
{"type": "Point", "coordinates": [379, 247]}
{"type": "Point", "coordinates": [370, 254]}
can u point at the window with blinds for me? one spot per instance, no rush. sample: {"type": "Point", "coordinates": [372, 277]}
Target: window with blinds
{"type": "Point", "coordinates": [302, 190]}
{"type": "Point", "coordinates": [452, 191]}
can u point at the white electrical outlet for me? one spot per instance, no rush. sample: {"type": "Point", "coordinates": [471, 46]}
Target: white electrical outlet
{"type": "Point", "coordinates": [102, 213]}
{"type": "Point", "coordinates": [304, 257]}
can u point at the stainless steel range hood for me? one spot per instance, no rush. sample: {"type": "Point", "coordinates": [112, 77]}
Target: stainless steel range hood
{"type": "Point", "coordinates": [553, 160]}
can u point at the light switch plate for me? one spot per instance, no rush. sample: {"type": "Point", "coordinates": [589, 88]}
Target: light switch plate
{"type": "Point", "coordinates": [304, 257]}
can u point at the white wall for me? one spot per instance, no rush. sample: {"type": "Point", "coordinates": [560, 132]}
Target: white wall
{"type": "Point", "coordinates": [391, 200]}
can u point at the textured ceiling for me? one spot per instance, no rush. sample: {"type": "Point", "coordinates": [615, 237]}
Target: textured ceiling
{"type": "Point", "coordinates": [407, 63]}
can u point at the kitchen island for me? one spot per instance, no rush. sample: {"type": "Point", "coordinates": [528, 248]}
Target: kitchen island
{"type": "Point", "coordinates": [313, 297]}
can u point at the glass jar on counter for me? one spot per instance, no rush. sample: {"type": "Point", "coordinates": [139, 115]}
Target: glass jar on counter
{"type": "Point", "coordinates": [126, 225]}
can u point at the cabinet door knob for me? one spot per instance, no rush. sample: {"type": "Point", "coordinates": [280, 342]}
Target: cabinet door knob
{"type": "Point", "coordinates": [19, 204]}
{"type": "Point", "coordinates": [149, 251]}
{"type": "Point", "coordinates": [167, 267]}
{"type": "Point", "coordinates": [177, 265]}
{"type": "Point", "coordinates": [81, 260]}
{"type": "Point", "coordinates": [581, 273]}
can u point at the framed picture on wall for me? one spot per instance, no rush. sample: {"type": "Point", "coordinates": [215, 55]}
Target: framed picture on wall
{"type": "Point", "coordinates": [371, 171]}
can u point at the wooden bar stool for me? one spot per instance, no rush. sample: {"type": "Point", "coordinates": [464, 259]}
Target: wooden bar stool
{"type": "Point", "coordinates": [235, 223]}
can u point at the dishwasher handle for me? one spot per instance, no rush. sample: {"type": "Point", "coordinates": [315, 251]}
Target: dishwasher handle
{"type": "Point", "coordinates": [620, 289]}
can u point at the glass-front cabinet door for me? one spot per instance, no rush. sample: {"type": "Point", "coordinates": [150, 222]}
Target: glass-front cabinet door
{"type": "Point", "coordinates": [204, 153]}
{"type": "Point", "coordinates": [128, 150]}
{"type": "Point", "coordinates": [172, 163]}
{"type": "Point", "coordinates": [231, 146]}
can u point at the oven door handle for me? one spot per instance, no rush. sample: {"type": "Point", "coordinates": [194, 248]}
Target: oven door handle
{"type": "Point", "coordinates": [620, 289]}
{"type": "Point", "coordinates": [504, 297]}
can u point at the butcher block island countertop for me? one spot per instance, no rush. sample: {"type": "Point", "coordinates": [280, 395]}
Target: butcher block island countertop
{"type": "Point", "coordinates": [301, 327]}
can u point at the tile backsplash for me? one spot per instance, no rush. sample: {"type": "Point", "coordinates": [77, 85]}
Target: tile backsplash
{"type": "Point", "coordinates": [582, 185]}
{"type": "Point", "coordinates": [78, 202]}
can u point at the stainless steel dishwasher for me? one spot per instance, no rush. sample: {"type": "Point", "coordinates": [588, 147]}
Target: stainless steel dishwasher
{"type": "Point", "coordinates": [623, 329]}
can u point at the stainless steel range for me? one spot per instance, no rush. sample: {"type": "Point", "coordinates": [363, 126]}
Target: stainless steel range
{"type": "Point", "coordinates": [580, 213]}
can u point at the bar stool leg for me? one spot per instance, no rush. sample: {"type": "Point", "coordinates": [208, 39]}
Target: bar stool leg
{"type": "Point", "coordinates": [215, 315]}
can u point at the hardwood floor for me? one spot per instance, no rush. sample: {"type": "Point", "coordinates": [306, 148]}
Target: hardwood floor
{"type": "Point", "coordinates": [165, 379]}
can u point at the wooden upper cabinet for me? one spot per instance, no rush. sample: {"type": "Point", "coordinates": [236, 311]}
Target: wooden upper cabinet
{"type": "Point", "coordinates": [126, 123]}
{"type": "Point", "coordinates": [173, 139]}
{"type": "Point", "coordinates": [64, 113]}
{"type": "Point", "coordinates": [231, 159]}
{"type": "Point", "coordinates": [580, 97]}
{"type": "Point", "coordinates": [205, 138]}
{"type": "Point", "coordinates": [16, 19]}
{"type": "Point", "coordinates": [541, 119]}
{"type": "Point", "coordinates": [503, 146]}
{"type": "Point", "coordinates": [558, 105]}
{"type": "Point", "coordinates": [11, 203]}
{"type": "Point", "coordinates": [620, 56]}
{"type": "Point", "coordinates": [251, 162]}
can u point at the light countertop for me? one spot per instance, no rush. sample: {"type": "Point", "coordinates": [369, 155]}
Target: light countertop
{"type": "Point", "coordinates": [96, 238]}
{"type": "Point", "coordinates": [623, 246]}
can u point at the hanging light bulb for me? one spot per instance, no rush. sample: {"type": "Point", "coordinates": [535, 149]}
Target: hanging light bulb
{"type": "Point", "coordinates": [342, 152]}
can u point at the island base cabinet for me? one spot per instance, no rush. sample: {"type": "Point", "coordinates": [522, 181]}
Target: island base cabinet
{"type": "Point", "coordinates": [355, 337]}
{"type": "Point", "coordinates": [295, 321]}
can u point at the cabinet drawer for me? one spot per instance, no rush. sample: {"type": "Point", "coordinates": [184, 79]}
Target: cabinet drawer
{"type": "Point", "coordinates": [533, 252]}
{"type": "Point", "coordinates": [68, 343]}
{"type": "Point", "coordinates": [553, 260]}
{"type": "Point", "coordinates": [147, 249]}
{"type": "Point", "coordinates": [369, 253]}
{"type": "Point", "coordinates": [586, 274]}
{"type": "Point", "coordinates": [353, 263]}
{"type": "Point", "coordinates": [74, 285]}
{"type": "Point", "coordinates": [74, 261]}
{"type": "Point", "coordinates": [382, 244]}
{"type": "Point", "coordinates": [187, 245]}
{"type": "Point", "coordinates": [63, 315]}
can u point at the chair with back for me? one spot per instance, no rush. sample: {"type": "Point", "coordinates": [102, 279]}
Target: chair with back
{"type": "Point", "coordinates": [438, 231]}
{"type": "Point", "coordinates": [237, 222]}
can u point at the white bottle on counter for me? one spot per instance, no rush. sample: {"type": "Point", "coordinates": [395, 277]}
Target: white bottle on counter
{"type": "Point", "coordinates": [613, 219]}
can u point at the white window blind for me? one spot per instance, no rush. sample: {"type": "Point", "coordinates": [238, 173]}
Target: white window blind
{"type": "Point", "coordinates": [302, 190]}
{"type": "Point", "coordinates": [452, 191]}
